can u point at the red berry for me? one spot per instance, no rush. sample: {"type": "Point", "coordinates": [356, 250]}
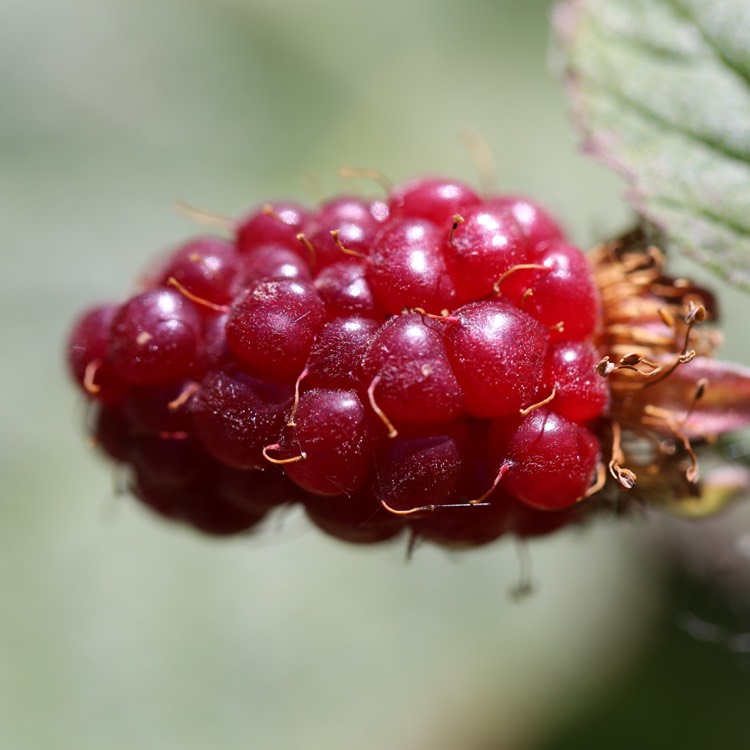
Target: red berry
{"type": "Point", "coordinates": [336, 356]}
{"type": "Point", "coordinates": [273, 263]}
{"type": "Point", "coordinates": [469, 526]}
{"type": "Point", "coordinates": [257, 490]}
{"type": "Point", "coordinates": [272, 326]}
{"type": "Point", "coordinates": [236, 416]}
{"type": "Point", "coordinates": [550, 460]}
{"type": "Point", "coordinates": [422, 468]}
{"type": "Point", "coordinates": [561, 294]}
{"type": "Point", "coordinates": [345, 290]}
{"type": "Point", "coordinates": [536, 224]}
{"type": "Point", "coordinates": [213, 352]}
{"type": "Point", "coordinates": [485, 244]}
{"type": "Point", "coordinates": [152, 410]}
{"type": "Point", "coordinates": [408, 373]}
{"type": "Point", "coordinates": [276, 223]}
{"type": "Point", "coordinates": [111, 432]}
{"type": "Point", "coordinates": [89, 356]}
{"type": "Point", "coordinates": [581, 393]}
{"type": "Point", "coordinates": [206, 268]}
{"type": "Point", "coordinates": [357, 519]}
{"type": "Point", "coordinates": [497, 352]}
{"type": "Point", "coordinates": [169, 463]}
{"type": "Point", "coordinates": [348, 209]}
{"type": "Point", "coordinates": [407, 269]}
{"type": "Point", "coordinates": [199, 507]}
{"type": "Point", "coordinates": [154, 337]}
{"type": "Point", "coordinates": [340, 231]}
{"type": "Point", "coordinates": [327, 449]}
{"type": "Point", "coordinates": [433, 198]}
{"type": "Point", "coordinates": [425, 363]}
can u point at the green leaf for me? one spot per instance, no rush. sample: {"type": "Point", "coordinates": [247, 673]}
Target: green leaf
{"type": "Point", "coordinates": [661, 92]}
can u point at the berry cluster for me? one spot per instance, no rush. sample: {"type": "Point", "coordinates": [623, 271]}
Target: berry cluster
{"type": "Point", "coordinates": [425, 362]}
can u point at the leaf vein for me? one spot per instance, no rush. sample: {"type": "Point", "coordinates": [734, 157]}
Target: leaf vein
{"type": "Point", "coordinates": [720, 55]}
{"type": "Point", "coordinates": [702, 211]}
{"type": "Point", "coordinates": [655, 118]}
{"type": "Point", "coordinates": [641, 44]}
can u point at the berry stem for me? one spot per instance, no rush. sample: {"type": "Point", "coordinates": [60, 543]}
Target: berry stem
{"type": "Point", "coordinates": [392, 431]}
{"type": "Point", "coordinates": [89, 377]}
{"type": "Point", "coordinates": [291, 422]}
{"type": "Point", "coordinates": [280, 461]}
{"type": "Point", "coordinates": [539, 404]}
{"type": "Point", "coordinates": [202, 216]}
{"type": "Point", "coordinates": [337, 239]}
{"type": "Point", "coordinates": [185, 395]}
{"type": "Point", "coordinates": [172, 281]}
{"type": "Point", "coordinates": [500, 474]}
{"type": "Point", "coordinates": [518, 267]}
{"type": "Point", "coordinates": [362, 173]}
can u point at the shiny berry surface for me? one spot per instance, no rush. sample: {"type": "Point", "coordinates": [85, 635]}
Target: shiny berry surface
{"type": "Point", "coordinates": [272, 326]}
{"type": "Point", "coordinates": [154, 337]}
{"type": "Point", "coordinates": [236, 415]}
{"type": "Point", "coordinates": [207, 268]}
{"type": "Point", "coordinates": [345, 290]}
{"type": "Point", "coordinates": [273, 263]}
{"type": "Point", "coordinates": [436, 199]}
{"type": "Point", "coordinates": [420, 366]}
{"type": "Point", "coordinates": [89, 355]}
{"type": "Point", "coordinates": [581, 394]}
{"type": "Point", "coordinates": [274, 223]}
{"type": "Point", "coordinates": [560, 294]}
{"type": "Point", "coordinates": [406, 268]}
{"type": "Point", "coordinates": [485, 244]}
{"type": "Point", "coordinates": [497, 352]}
{"type": "Point", "coordinates": [332, 436]}
{"type": "Point", "coordinates": [536, 224]}
{"type": "Point", "coordinates": [409, 374]}
{"type": "Point", "coordinates": [550, 460]}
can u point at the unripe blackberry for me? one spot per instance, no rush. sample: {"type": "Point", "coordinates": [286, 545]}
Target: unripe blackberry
{"type": "Point", "coordinates": [207, 268]}
{"type": "Point", "coordinates": [437, 362]}
{"type": "Point", "coordinates": [276, 223]}
{"type": "Point", "coordinates": [406, 267]}
{"type": "Point", "coordinates": [273, 263]}
{"type": "Point", "coordinates": [497, 352]}
{"type": "Point", "coordinates": [326, 449]}
{"type": "Point", "coordinates": [409, 375]}
{"type": "Point", "coordinates": [551, 462]}
{"type": "Point", "coordinates": [154, 337]}
{"type": "Point", "coordinates": [89, 357]}
{"type": "Point", "coordinates": [272, 326]}
{"type": "Point", "coordinates": [436, 199]}
{"type": "Point", "coordinates": [487, 241]}
{"type": "Point", "coordinates": [236, 415]}
{"type": "Point", "coordinates": [424, 468]}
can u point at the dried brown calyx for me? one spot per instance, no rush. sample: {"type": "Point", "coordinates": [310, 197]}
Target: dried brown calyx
{"type": "Point", "coordinates": [668, 394]}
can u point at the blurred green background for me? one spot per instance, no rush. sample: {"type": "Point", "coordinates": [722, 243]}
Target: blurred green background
{"type": "Point", "coordinates": [118, 631]}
